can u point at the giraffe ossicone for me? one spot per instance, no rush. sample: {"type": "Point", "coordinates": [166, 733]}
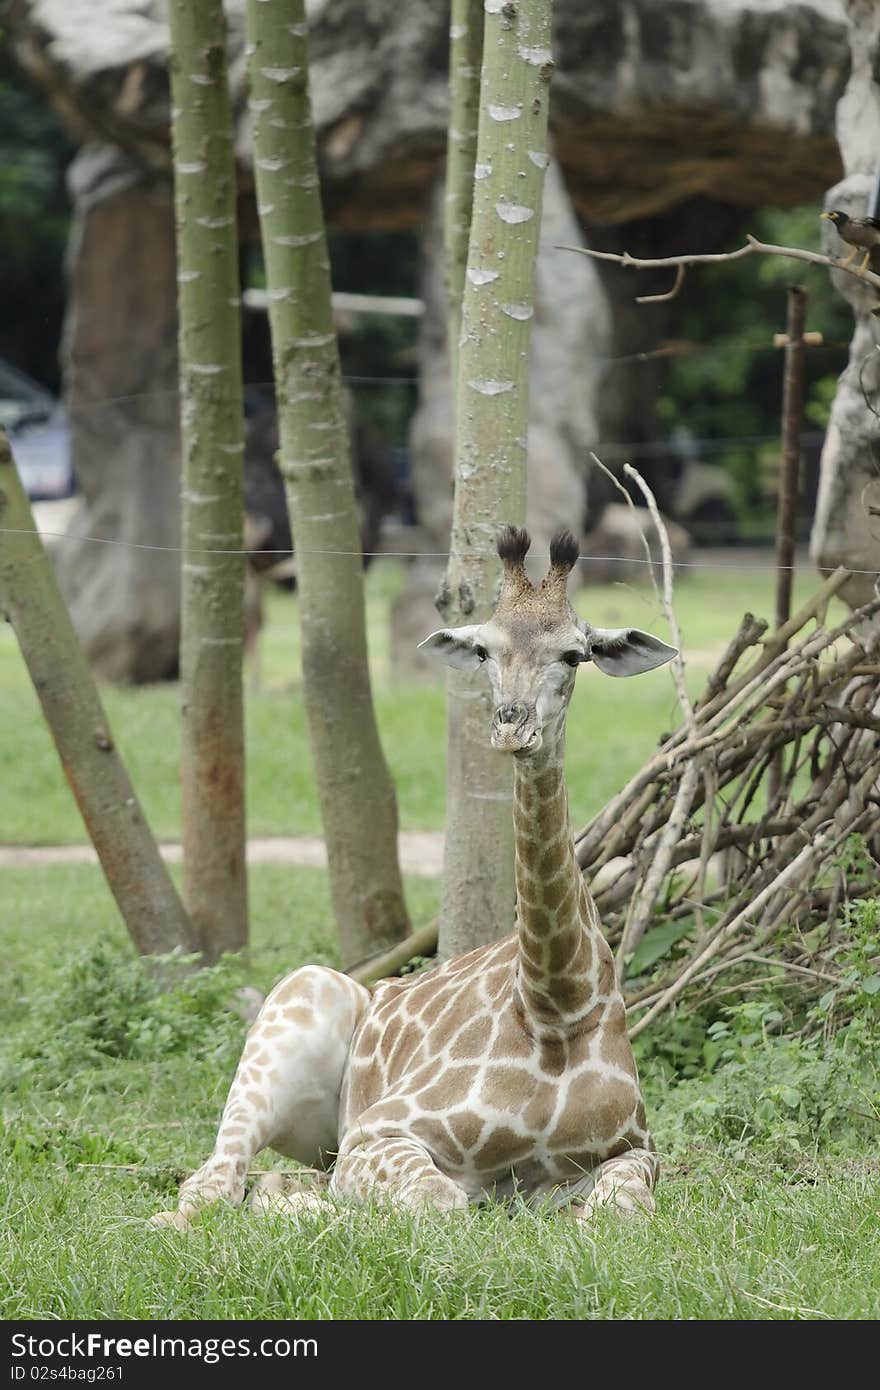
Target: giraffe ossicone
{"type": "Point", "coordinates": [504, 1071]}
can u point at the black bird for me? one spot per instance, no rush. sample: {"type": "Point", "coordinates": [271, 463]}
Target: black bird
{"type": "Point", "coordinates": [861, 233]}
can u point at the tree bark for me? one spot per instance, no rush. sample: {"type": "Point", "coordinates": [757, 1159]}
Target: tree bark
{"type": "Point", "coordinates": [465, 60]}
{"type": "Point", "coordinates": [845, 528]}
{"type": "Point", "coordinates": [211, 422]}
{"type": "Point", "coordinates": [490, 465]}
{"type": "Point", "coordinates": [358, 804]}
{"type": "Point", "coordinates": [31, 601]}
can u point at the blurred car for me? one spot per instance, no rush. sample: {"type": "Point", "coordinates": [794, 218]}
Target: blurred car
{"type": "Point", "coordinates": [39, 434]}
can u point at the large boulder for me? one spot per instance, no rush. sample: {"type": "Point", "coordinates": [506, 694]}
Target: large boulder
{"type": "Point", "coordinates": [653, 101]}
{"type": "Point", "coordinates": [655, 105]}
{"type": "Point", "coordinates": [846, 530]}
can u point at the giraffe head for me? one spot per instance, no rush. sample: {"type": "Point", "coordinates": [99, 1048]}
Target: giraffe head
{"type": "Point", "coordinates": [534, 642]}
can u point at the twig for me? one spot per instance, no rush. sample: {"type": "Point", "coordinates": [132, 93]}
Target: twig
{"type": "Point", "coordinates": [666, 597]}
{"type": "Point", "coordinates": [752, 247]}
{"type": "Point", "coordinates": [642, 905]}
{"type": "Point", "coordinates": [662, 298]}
{"type": "Point", "coordinates": [793, 871]}
{"type": "Point", "coordinates": [789, 965]}
{"type": "Point", "coordinates": [632, 506]}
{"type": "Point", "coordinates": [749, 634]}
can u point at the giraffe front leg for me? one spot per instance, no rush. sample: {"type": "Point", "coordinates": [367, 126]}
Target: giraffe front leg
{"type": "Point", "coordinates": [625, 1183]}
{"type": "Point", "coordinates": [285, 1093]}
{"type": "Point", "coordinates": [399, 1168]}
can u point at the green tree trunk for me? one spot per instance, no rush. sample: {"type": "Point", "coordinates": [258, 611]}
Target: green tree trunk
{"type": "Point", "coordinates": [465, 58]}
{"type": "Point", "coordinates": [211, 417]}
{"type": "Point", "coordinates": [31, 601]}
{"type": "Point", "coordinates": [357, 797]}
{"type": "Point", "coordinates": [490, 456]}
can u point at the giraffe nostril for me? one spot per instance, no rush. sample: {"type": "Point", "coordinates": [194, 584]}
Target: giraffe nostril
{"type": "Point", "coordinates": [514, 714]}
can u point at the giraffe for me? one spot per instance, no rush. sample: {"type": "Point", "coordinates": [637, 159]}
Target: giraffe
{"type": "Point", "coordinates": [506, 1071]}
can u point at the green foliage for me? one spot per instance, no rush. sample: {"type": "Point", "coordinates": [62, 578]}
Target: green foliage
{"type": "Point", "coordinates": [105, 1005]}
{"type": "Point", "coordinates": [857, 958]}
{"type": "Point", "coordinates": [786, 1100]}
{"type": "Point", "coordinates": [36, 1140]}
{"type": "Point", "coordinates": [738, 1233]}
{"type": "Point", "coordinates": [731, 388]}
{"type": "Point", "coordinates": [603, 749]}
{"type": "Point", "coordinates": [34, 219]}
{"type": "Point", "coordinates": [789, 1077]}
{"type": "Point", "coordinates": [656, 944]}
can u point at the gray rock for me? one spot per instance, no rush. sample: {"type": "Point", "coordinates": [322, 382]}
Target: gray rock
{"type": "Point", "coordinates": [655, 103]}
{"type": "Point", "coordinates": [846, 529]}
{"type": "Point", "coordinates": [616, 547]}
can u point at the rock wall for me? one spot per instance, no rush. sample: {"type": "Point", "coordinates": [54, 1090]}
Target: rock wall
{"type": "Point", "coordinates": [653, 101]}
{"type": "Point", "coordinates": [846, 530]}
{"type": "Point", "coordinates": [120, 367]}
{"type": "Point", "coordinates": [654, 104]}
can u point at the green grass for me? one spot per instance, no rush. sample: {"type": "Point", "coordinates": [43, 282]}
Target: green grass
{"type": "Point", "coordinates": [76, 1247]}
{"type": "Point", "coordinates": [739, 1233]}
{"type": "Point", "coordinates": [612, 725]}
{"type": "Point", "coordinates": [751, 1223]}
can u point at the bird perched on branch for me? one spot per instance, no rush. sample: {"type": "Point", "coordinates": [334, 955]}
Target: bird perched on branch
{"type": "Point", "coordinates": [861, 233]}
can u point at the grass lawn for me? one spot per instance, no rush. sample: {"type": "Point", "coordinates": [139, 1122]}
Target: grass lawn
{"type": "Point", "coordinates": [109, 1096]}
{"type": "Point", "coordinates": [91, 1144]}
{"type": "Point", "coordinates": [612, 726]}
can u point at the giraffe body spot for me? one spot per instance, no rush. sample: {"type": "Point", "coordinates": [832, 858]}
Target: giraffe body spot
{"type": "Point", "coordinates": [467, 1128]}
{"type": "Point", "coordinates": [450, 1089]}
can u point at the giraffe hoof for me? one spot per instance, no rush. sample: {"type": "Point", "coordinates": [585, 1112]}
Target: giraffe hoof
{"type": "Point", "coordinates": [267, 1200]}
{"type": "Point", "coordinates": [628, 1203]}
{"type": "Point", "coordinates": [291, 1193]}
{"type": "Point", "coordinates": [176, 1219]}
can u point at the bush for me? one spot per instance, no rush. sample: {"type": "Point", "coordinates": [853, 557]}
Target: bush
{"type": "Point", "coordinates": [104, 1005]}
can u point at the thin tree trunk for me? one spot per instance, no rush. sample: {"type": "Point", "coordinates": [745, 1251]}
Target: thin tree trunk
{"type": "Point", "coordinates": [490, 467]}
{"type": "Point", "coordinates": [465, 59]}
{"type": "Point", "coordinates": [211, 417]}
{"type": "Point", "coordinates": [357, 797]}
{"type": "Point", "coordinates": [31, 601]}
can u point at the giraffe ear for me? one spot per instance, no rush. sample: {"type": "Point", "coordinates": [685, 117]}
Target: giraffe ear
{"type": "Point", "coordinates": [627, 651]}
{"type": "Point", "coordinates": [457, 646]}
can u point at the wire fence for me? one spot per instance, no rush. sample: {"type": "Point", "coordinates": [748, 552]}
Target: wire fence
{"type": "Point", "coordinates": [674, 452]}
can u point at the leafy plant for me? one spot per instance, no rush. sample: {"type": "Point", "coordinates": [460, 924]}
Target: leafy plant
{"type": "Point", "coordinates": [106, 1005]}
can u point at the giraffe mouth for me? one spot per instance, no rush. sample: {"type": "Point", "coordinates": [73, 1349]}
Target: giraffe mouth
{"type": "Point", "coordinates": [515, 739]}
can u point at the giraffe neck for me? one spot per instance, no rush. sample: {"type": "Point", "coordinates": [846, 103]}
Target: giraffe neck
{"type": "Point", "coordinates": [561, 949]}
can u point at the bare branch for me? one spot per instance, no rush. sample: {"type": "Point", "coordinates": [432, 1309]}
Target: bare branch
{"type": "Point", "coordinates": [670, 294]}
{"type": "Point", "coordinates": [666, 597]}
{"type": "Point", "coordinates": [752, 247]}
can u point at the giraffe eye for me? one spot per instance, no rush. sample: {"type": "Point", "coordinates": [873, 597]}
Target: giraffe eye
{"type": "Point", "coordinates": [480, 653]}
{"type": "Point", "coordinates": [572, 658]}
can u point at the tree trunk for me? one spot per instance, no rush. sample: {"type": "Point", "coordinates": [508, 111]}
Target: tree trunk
{"type": "Point", "coordinates": [211, 420]}
{"type": "Point", "coordinates": [357, 796]}
{"type": "Point", "coordinates": [490, 465]}
{"type": "Point", "coordinates": [465, 60]}
{"type": "Point", "coordinates": [31, 601]}
{"type": "Point", "coordinates": [845, 528]}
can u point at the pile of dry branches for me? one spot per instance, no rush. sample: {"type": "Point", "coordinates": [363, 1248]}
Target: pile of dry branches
{"type": "Point", "coordinates": [738, 827]}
